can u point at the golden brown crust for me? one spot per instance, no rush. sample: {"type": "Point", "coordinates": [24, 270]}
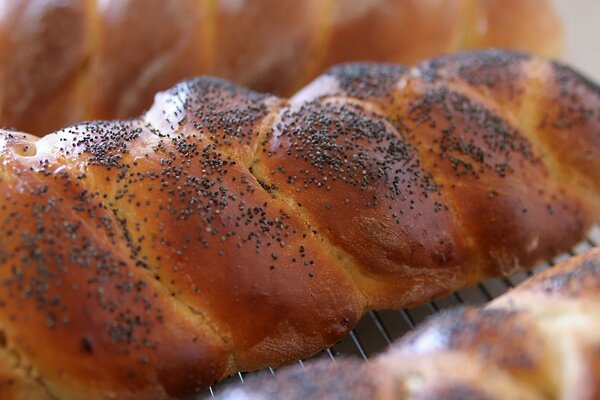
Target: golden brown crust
{"type": "Point", "coordinates": [72, 282]}
{"type": "Point", "coordinates": [73, 60]}
{"type": "Point", "coordinates": [556, 116]}
{"type": "Point", "coordinates": [359, 184]}
{"type": "Point", "coordinates": [495, 183]}
{"type": "Point", "coordinates": [519, 346]}
{"type": "Point", "coordinates": [443, 111]}
{"type": "Point", "coordinates": [229, 230]}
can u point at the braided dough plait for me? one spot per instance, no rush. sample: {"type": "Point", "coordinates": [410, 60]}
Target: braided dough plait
{"type": "Point", "coordinates": [538, 341]}
{"type": "Point", "coordinates": [65, 61]}
{"type": "Point", "coordinates": [228, 230]}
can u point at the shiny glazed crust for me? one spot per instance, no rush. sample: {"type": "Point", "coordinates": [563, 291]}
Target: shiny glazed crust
{"type": "Point", "coordinates": [538, 341]}
{"type": "Point", "coordinates": [64, 61]}
{"type": "Point", "coordinates": [228, 230]}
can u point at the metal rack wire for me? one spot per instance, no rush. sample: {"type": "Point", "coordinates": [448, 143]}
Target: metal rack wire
{"type": "Point", "coordinates": [376, 330]}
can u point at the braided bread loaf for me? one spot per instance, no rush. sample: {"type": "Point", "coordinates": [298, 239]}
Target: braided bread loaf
{"type": "Point", "coordinates": [64, 61]}
{"type": "Point", "coordinates": [539, 341]}
{"type": "Point", "coordinates": [228, 230]}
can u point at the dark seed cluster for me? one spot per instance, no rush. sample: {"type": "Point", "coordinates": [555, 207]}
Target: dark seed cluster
{"type": "Point", "coordinates": [365, 80]}
{"type": "Point", "coordinates": [463, 119]}
{"type": "Point", "coordinates": [56, 258]}
{"type": "Point", "coordinates": [572, 110]}
{"type": "Point", "coordinates": [216, 109]}
{"type": "Point", "coordinates": [484, 68]}
{"type": "Point", "coordinates": [345, 143]}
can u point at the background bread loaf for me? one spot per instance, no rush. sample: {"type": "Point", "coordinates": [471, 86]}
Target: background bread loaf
{"type": "Point", "coordinates": [229, 230]}
{"type": "Point", "coordinates": [64, 61]}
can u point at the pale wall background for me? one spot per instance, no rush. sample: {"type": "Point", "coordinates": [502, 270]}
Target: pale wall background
{"type": "Point", "coordinates": [581, 19]}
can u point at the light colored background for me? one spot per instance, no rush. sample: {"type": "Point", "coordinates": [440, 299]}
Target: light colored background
{"type": "Point", "coordinates": [581, 19]}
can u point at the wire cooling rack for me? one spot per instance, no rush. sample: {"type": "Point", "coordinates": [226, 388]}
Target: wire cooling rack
{"type": "Point", "coordinates": [377, 329]}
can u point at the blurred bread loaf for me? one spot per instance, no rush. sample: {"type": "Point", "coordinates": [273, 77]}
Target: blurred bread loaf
{"type": "Point", "coordinates": [63, 61]}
